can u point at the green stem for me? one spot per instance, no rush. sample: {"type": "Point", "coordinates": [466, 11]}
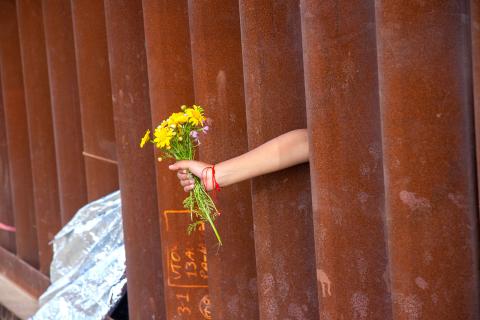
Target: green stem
{"type": "Point", "coordinates": [204, 204]}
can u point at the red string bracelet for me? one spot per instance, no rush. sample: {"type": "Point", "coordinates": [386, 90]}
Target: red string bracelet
{"type": "Point", "coordinates": [204, 178]}
{"type": "Point", "coordinates": [216, 186]}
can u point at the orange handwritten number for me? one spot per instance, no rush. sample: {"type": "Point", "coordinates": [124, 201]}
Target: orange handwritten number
{"type": "Point", "coordinates": [192, 267]}
{"type": "Point", "coordinates": [185, 297]}
{"type": "Point", "coordinates": [190, 254]}
{"type": "Point", "coordinates": [182, 310]}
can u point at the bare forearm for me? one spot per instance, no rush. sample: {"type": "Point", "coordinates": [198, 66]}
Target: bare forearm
{"type": "Point", "coordinates": [279, 153]}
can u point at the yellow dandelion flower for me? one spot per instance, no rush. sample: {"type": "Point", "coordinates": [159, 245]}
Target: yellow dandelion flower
{"type": "Point", "coordinates": [145, 139]}
{"type": "Point", "coordinates": [195, 115]}
{"type": "Point", "coordinates": [163, 124]}
{"type": "Point", "coordinates": [163, 137]}
{"type": "Point", "coordinates": [177, 118]}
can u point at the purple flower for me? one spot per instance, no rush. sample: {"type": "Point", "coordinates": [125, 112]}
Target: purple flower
{"type": "Point", "coordinates": [194, 135]}
{"type": "Point", "coordinates": [205, 129]}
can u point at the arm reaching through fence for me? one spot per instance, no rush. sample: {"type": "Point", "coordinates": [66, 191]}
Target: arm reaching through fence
{"type": "Point", "coordinates": [279, 153]}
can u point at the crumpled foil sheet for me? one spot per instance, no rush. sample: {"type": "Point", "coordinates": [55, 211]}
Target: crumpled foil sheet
{"type": "Point", "coordinates": [88, 271]}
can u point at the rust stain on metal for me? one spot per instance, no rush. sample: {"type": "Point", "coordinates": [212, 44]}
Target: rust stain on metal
{"type": "Point", "coordinates": [40, 127]}
{"type": "Point", "coordinates": [67, 128]}
{"type": "Point", "coordinates": [128, 73]}
{"type": "Point", "coordinates": [425, 89]}
{"type": "Point", "coordinates": [218, 79]}
{"type": "Point", "coordinates": [347, 191]}
{"type": "Point", "coordinates": [282, 213]}
{"type": "Point", "coordinates": [95, 97]}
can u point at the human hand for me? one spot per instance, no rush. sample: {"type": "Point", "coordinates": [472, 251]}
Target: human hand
{"type": "Point", "coordinates": [186, 168]}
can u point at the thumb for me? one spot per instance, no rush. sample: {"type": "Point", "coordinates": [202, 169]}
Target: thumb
{"type": "Point", "coordinates": [183, 164]}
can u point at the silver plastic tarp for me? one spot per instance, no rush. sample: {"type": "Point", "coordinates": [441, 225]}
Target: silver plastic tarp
{"type": "Point", "coordinates": [88, 268]}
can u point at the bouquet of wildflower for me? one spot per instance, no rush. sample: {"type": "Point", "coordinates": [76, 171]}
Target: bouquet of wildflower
{"type": "Point", "coordinates": [177, 138]}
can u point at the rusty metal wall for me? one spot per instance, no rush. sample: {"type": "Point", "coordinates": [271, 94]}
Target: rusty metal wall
{"type": "Point", "coordinates": [282, 210]}
{"type": "Point", "coordinates": [40, 126]}
{"type": "Point", "coordinates": [218, 78]}
{"type": "Point", "coordinates": [17, 135]}
{"type": "Point", "coordinates": [383, 222]}
{"type": "Point", "coordinates": [7, 239]}
{"type": "Point", "coordinates": [67, 128]}
{"type": "Point", "coordinates": [346, 159]}
{"type": "Point", "coordinates": [475, 43]}
{"type": "Point", "coordinates": [171, 85]}
{"type": "Point", "coordinates": [132, 115]}
{"type": "Point", "coordinates": [99, 144]}
{"type": "Point", "coordinates": [430, 200]}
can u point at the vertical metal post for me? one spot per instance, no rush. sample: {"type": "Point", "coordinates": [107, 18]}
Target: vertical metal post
{"type": "Point", "coordinates": [95, 97]}
{"type": "Point", "coordinates": [67, 128]}
{"type": "Point", "coordinates": [346, 159]}
{"type": "Point", "coordinates": [128, 70]}
{"type": "Point", "coordinates": [425, 98]}
{"type": "Point", "coordinates": [171, 85]}
{"type": "Point", "coordinates": [40, 127]}
{"type": "Point", "coordinates": [17, 135]}
{"type": "Point", "coordinates": [475, 44]}
{"type": "Point", "coordinates": [275, 100]}
{"type": "Point", "coordinates": [7, 238]}
{"type": "Point", "coordinates": [218, 77]}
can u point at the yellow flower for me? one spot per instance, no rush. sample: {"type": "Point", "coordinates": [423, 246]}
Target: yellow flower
{"type": "Point", "coordinates": [145, 139]}
{"type": "Point", "coordinates": [163, 137]}
{"type": "Point", "coordinates": [195, 115]}
{"type": "Point", "coordinates": [163, 124]}
{"type": "Point", "coordinates": [177, 118]}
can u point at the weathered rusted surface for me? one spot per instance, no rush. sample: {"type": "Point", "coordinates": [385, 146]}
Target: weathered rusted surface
{"type": "Point", "coordinates": [128, 69]}
{"type": "Point", "coordinates": [346, 159]}
{"type": "Point", "coordinates": [40, 127]}
{"type": "Point", "coordinates": [23, 274]}
{"type": "Point", "coordinates": [475, 45]}
{"type": "Point", "coordinates": [95, 97]}
{"type": "Point", "coordinates": [17, 137]}
{"type": "Point", "coordinates": [7, 239]}
{"type": "Point", "coordinates": [275, 101]}
{"type": "Point", "coordinates": [72, 187]}
{"type": "Point", "coordinates": [218, 79]}
{"type": "Point", "coordinates": [388, 94]}
{"type": "Point", "coordinates": [171, 85]}
{"type": "Point", "coordinates": [425, 88]}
